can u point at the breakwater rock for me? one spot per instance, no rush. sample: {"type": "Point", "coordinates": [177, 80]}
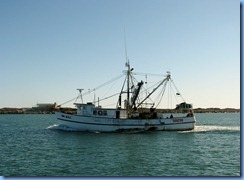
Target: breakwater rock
{"type": "Point", "coordinates": [216, 110]}
{"type": "Point", "coordinates": [35, 110]}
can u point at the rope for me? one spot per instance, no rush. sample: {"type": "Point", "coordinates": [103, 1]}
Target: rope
{"type": "Point", "coordinates": [98, 87]}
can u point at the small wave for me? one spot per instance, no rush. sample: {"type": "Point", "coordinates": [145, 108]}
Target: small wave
{"type": "Point", "coordinates": [199, 129]}
{"type": "Point", "coordinates": [61, 127]}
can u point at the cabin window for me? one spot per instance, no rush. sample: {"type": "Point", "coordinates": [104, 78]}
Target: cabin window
{"type": "Point", "coordinates": [117, 114]}
{"type": "Point", "coordinates": [100, 113]}
{"type": "Point", "coordinates": [94, 112]}
{"type": "Point", "coordinates": [105, 113]}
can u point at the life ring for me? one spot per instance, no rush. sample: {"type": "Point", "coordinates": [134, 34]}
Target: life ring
{"type": "Point", "coordinates": [100, 113]}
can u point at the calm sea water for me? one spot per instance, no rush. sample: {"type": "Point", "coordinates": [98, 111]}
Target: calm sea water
{"type": "Point", "coordinates": [34, 145]}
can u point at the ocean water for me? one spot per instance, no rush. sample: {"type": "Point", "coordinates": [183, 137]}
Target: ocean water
{"type": "Point", "coordinates": [35, 145]}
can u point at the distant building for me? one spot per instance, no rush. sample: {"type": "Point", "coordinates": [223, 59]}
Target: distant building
{"type": "Point", "coordinates": [46, 106]}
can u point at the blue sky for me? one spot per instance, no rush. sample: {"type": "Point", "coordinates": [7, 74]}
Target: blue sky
{"type": "Point", "coordinates": [50, 48]}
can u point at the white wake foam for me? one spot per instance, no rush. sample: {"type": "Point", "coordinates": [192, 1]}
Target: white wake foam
{"type": "Point", "coordinates": [212, 128]}
{"type": "Point", "coordinates": [61, 127]}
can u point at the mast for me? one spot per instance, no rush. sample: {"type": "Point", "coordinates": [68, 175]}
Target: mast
{"type": "Point", "coordinates": [127, 64]}
{"type": "Point", "coordinates": [128, 86]}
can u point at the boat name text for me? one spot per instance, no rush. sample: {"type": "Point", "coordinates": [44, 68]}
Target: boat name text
{"type": "Point", "coordinates": [68, 117]}
{"type": "Point", "coordinates": [177, 120]}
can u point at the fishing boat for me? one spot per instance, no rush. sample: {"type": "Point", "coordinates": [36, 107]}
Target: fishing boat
{"type": "Point", "coordinates": [137, 113]}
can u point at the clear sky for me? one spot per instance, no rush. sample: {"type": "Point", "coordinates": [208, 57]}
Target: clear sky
{"type": "Point", "coordinates": [49, 48]}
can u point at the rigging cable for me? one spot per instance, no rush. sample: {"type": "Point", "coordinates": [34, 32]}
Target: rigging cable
{"type": "Point", "coordinates": [174, 94]}
{"type": "Point", "coordinates": [98, 87]}
{"type": "Point", "coordinates": [119, 100]}
{"type": "Point", "coordinates": [147, 92]}
{"type": "Point", "coordinates": [104, 84]}
{"type": "Point", "coordinates": [178, 91]}
{"type": "Point", "coordinates": [107, 97]}
{"type": "Point", "coordinates": [162, 93]}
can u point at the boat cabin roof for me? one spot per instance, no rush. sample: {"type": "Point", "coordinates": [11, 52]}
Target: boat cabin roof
{"type": "Point", "coordinates": [95, 108]}
{"type": "Point", "coordinates": [82, 104]}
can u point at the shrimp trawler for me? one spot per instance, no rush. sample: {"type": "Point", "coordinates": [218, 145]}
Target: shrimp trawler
{"type": "Point", "coordinates": [138, 112]}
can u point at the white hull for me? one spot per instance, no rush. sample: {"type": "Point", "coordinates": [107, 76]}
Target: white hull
{"type": "Point", "coordinates": [103, 124]}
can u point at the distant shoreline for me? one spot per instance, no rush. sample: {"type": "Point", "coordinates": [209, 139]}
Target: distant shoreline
{"type": "Point", "coordinates": [73, 110]}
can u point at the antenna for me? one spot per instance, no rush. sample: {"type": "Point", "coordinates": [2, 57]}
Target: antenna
{"type": "Point", "coordinates": [126, 57]}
